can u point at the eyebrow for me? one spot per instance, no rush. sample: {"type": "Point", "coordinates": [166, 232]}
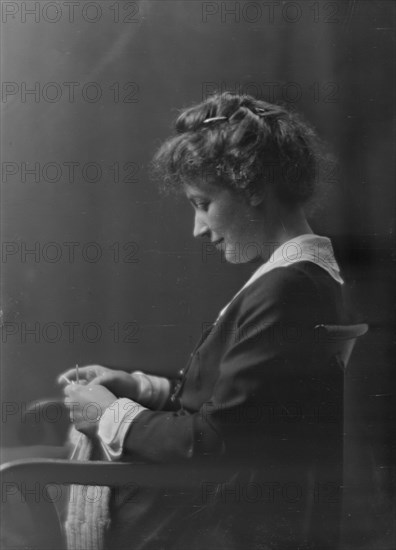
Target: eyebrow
{"type": "Point", "coordinates": [196, 196]}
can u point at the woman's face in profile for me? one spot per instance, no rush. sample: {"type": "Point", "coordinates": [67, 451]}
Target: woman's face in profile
{"type": "Point", "coordinates": [228, 220]}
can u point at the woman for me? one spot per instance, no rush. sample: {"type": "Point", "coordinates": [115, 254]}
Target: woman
{"type": "Point", "coordinates": [258, 394]}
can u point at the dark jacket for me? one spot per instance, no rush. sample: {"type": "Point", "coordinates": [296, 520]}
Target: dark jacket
{"type": "Point", "coordinates": [260, 397]}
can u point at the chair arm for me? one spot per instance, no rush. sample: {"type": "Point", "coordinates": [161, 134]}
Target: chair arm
{"type": "Point", "coordinates": [341, 332]}
{"type": "Point", "coordinates": [338, 341]}
{"type": "Point", "coordinates": [18, 475]}
{"type": "Point", "coordinates": [112, 474]}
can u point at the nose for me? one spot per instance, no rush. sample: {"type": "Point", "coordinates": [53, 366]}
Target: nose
{"type": "Point", "coordinates": [200, 227]}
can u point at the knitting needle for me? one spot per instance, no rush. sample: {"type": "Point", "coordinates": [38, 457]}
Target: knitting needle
{"type": "Point", "coordinates": [76, 447]}
{"type": "Point", "coordinates": [104, 449]}
{"type": "Point", "coordinates": [106, 452]}
{"type": "Point", "coordinates": [79, 439]}
{"type": "Point", "coordinates": [67, 379]}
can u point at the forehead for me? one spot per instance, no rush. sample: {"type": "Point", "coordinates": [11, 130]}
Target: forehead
{"type": "Point", "coordinates": [192, 190]}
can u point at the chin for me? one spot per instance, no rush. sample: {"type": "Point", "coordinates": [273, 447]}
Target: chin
{"type": "Point", "coordinates": [230, 259]}
{"type": "Point", "coordinates": [234, 255]}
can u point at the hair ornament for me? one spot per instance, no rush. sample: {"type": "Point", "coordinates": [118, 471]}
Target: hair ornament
{"type": "Point", "coordinates": [259, 111]}
{"type": "Point", "coordinates": [214, 119]}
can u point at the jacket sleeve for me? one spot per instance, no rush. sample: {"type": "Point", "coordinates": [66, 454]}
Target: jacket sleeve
{"type": "Point", "coordinates": [271, 329]}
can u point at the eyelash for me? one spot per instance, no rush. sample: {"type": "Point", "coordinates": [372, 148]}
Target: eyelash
{"type": "Point", "coordinates": [201, 205]}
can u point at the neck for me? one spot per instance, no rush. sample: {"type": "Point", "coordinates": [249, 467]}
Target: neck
{"type": "Point", "coordinates": [292, 223]}
{"type": "Point", "coordinates": [285, 223]}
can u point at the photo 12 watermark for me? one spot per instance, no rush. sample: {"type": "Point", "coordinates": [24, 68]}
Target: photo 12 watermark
{"type": "Point", "coordinates": [70, 252]}
{"type": "Point", "coordinates": [290, 92]}
{"type": "Point", "coordinates": [327, 172]}
{"type": "Point", "coordinates": [71, 172]}
{"type": "Point", "coordinates": [34, 92]}
{"type": "Point", "coordinates": [276, 12]}
{"type": "Point", "coordinates": [319, 253]}
{"type": "Point", "coordinates": [13, 492]}
{"type": "Point", "coordinates": [268, 413]}
{"type": "Point", "coordinates": [53, 412]}
{"type": "Point", "coordinates": [73, 12]}
{"type": "Point", "coordinates": [69, 332]}
{"type": "Point", "coordinates": [270, 492]}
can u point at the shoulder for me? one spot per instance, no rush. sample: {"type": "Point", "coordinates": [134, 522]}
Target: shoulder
{"type": "Point", "coordinates": [300, 277]}
{"type": "Point", "coordinates": [297, 290]}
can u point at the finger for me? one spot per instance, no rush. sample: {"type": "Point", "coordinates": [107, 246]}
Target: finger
{"type": "Point", "coordinates": [84, 372]}
{"type": "Point", "coordinates": [70, 403]}
{"type": "Point", "coordinates": [75, 383]}
{"type": "Point", "coordinates": [101, 379]}
{"type": "Point", "coordinates": [69, 374]}
{"type": "Point", "coordinates": [65, 378]}
{"type": "Point", "coordinates": [71, 406]}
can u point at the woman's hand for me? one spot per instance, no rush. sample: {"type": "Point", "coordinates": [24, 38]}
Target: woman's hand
{"type": "Point", "coordinates": [86, 404]}
{"type": "Point", "coordinates": [119, 382]}
{"type": "Point", "coordinates": [86, 374]}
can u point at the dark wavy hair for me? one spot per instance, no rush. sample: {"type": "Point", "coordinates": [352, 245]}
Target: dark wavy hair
{"type": "Point", "coordinates": [255, 145]}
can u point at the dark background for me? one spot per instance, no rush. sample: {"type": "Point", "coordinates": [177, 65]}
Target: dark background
{"type": "Point", "coordinates": [333, 61]}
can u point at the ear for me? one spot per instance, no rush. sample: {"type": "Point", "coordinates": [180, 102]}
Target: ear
{"type": "Point", "coordinates": [257, 198]}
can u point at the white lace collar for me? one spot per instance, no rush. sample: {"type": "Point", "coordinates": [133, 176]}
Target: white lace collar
{"type": "Point", "coordinates": [304, 248]}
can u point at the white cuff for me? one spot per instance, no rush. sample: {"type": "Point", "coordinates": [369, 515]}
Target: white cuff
{"type": "Point", "coordinates": [153, 390]}
{"type": "Point", "coordinates": [115, 423]}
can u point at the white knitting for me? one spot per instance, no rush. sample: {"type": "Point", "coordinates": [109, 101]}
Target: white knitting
{"type": "Point", "coordinates": [88, 516]}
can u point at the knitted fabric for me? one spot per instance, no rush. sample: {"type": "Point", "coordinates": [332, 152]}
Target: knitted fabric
{"type": "Point", "coordinates": [88, 516]}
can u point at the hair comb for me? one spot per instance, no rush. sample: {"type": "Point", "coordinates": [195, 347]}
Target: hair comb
{"type": "Point", "coordinates": [214, 119]}
{"type": "Point", "coordinates": [260, 111]}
